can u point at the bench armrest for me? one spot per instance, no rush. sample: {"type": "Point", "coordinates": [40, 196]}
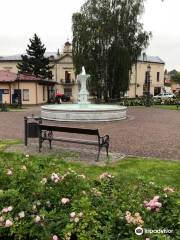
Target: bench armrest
{"type": "Point", "coordinates": [48, 135]}
{"type": "Point", "coordinates": [104, 139]}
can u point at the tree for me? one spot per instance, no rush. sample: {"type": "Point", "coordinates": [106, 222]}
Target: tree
{"type": "Point", "coordinates": [176, 77]}
{"type": "Point", "coordinates": [34, 62]}
{"type": "Point", "coordinates": [107, 39]}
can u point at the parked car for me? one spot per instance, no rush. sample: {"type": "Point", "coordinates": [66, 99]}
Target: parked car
{"type": "Point", "coordinates": [62, 98]}
{"type": "Point", "coordinates": [165, 96]}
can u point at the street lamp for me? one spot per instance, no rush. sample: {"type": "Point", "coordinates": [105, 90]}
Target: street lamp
{"type": "Point", "coordinates": [148, 86]}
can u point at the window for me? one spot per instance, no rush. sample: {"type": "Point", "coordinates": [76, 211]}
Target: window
{"type": "Point", "coordinates": [6, 91]}
{"type": "Point", "coordinates": [158, 76]}
{"type": "Point", "coordinates": [25, 94]}
{"type": "Point", "coordinates": [67, 76]}
{"type": "Point", "coordinates": [68, 92]}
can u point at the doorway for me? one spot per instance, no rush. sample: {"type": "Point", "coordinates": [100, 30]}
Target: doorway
{"type": "Point", "coordinates": [1, 93]}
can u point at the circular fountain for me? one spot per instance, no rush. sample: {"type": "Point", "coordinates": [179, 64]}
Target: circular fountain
{"type": "Point", "coordinates": [83, 111]}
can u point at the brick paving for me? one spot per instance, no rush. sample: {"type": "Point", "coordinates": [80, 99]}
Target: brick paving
{"type": "Point", "coordinates": [148, 132]}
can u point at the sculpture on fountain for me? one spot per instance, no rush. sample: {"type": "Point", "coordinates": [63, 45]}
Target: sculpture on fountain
{"type": "Point", "coordinates": [83, 93]}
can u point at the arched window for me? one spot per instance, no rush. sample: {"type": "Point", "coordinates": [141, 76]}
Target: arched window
{"type": "Point", "coordinates": [67, 77]}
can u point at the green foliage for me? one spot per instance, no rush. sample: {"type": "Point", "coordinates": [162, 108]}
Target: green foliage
{"type": "Point", "coordinates": [97, 200]}
{"type": "Point", "coordinates": [141, 101]}
{"type": "Point", "coordinates": [107, 39]}
{"type": "Point", "coordinates": [176, 77]}
{"type": "Point", "coordinates": [34, 62]}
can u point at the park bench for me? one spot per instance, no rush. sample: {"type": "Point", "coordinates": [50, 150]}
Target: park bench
{"type": "Point", "coordinates": [46, 133]}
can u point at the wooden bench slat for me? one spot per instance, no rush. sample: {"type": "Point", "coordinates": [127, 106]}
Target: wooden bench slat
{"type": "Point", "coordinates": [69, 129]}
{"type": "Point", "coordinates": [74, 140]}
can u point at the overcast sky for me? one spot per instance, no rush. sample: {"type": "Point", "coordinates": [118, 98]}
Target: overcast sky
{"type": "Point", "coordinates": [51, 20]}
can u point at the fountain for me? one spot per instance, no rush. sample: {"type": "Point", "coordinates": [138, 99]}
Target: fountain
{"type": "Point", "coordinates": [83, 111]}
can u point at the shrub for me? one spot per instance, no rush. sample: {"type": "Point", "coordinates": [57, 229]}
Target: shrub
{"type": "Point", "coordinates": [38, 200]}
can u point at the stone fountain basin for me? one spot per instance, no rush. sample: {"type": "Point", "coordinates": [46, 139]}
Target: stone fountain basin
{"type": "Point", "coordinates": [83, 112]}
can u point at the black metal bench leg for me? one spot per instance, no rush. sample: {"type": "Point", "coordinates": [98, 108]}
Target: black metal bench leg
{"type": "Point", "coordinates": [50, 145]}
{"type": "Point", "coordinates": [99, 149]}
{"type": "Point", "coordinates": [40, 144]}
{"type": "Point", "coordinates": [107, 150]}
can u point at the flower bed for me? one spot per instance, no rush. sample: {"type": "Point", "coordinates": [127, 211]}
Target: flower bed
{"type": "Point", "coordinates": [42, 198]}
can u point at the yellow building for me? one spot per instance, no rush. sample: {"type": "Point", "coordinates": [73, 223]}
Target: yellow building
{"type": "Point", "coordinates": [64, 72]}
{"type": "Point", "coordinates": [65, 79]}
{"type": "Point", "coordinates": [24, 89]}
{"type": "Point", "coordinates": [138, 80]}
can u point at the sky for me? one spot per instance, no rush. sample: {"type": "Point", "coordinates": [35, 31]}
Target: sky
{"type": "Point", "coordinates": [51, 20]}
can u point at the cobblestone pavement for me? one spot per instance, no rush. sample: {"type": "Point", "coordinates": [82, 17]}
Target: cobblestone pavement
{"type": "Point", "coordinates": [149, 132]}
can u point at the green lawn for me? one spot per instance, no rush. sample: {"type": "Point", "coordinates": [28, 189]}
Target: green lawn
{"type": "Point", "coordinates": [168, 107]}
{"type": "Point", "coordinates": [6, 143]}
{"type": "Point", "coordinates": [129, 169]}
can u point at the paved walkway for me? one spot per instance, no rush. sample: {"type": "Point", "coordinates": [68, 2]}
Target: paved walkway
{"type": "Point", "coordinates": [149, 132]}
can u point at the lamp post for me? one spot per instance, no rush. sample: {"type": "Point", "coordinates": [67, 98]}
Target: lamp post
{"type": "Point", "coordinates": [148, 86]}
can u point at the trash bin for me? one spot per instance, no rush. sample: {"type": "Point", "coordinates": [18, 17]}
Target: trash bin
{"type": "Point", "coordinates": [32, 130]}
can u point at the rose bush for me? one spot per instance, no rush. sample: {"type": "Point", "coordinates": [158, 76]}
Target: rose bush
{"type": "Point", "coordinates": [41, 200]}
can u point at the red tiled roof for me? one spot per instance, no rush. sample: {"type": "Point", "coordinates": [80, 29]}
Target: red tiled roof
{"type": "Point", "coordinates": [7, 76]}
{"type": "Point", "coordinates": [28, 77]}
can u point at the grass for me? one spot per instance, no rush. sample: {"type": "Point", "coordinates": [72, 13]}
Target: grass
{"type": "Point", "coordinates": [168, 107]}
{"type": "Point", "coordinates": [16, 109]}
{"type": "Point", "coordinates": [5, 143]}
{"type": "Point", "coordinates": [164, 173]}
{"type": "Point", "coordinates": [131, 168]}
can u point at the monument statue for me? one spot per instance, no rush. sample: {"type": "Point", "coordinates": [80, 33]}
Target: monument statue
{"type": "Point", "coordinates": [83, 72]}
{"type": "Point", "coordinates": [83, 93]}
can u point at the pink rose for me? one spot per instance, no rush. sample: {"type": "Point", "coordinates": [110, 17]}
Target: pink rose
{"type": "Point", "coordinates": [24, 167]}
{"type": "Point", "coordinates": [5, 210]}
{"type": "Point", "coordinates": [156, 198]}
{"type": "Point", "coordinates": [158, 204]}
{"type": "Point", "coordinates": [80, 214]}
{"type": "Point", "coordinates": [9, 172]}
{"type": "Point", "coordinates": [55, 237]}
{"type": "Point", "coordinates": [8, 223]}
{"type": "Point", "coordinates": [37, 219]}
{"type": "Point", "coordinates": [21, 214]}
{"type": "Point", "coordinates": [72, 214]}
{"type": "Point", "coordinates": [65, 200]}
{"type": "Point", "coordinates": [168, 190]}
{"type": "Point", "coordinates": [76, 219]}
{"type": "Point", "coordinates": [10, 208]}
